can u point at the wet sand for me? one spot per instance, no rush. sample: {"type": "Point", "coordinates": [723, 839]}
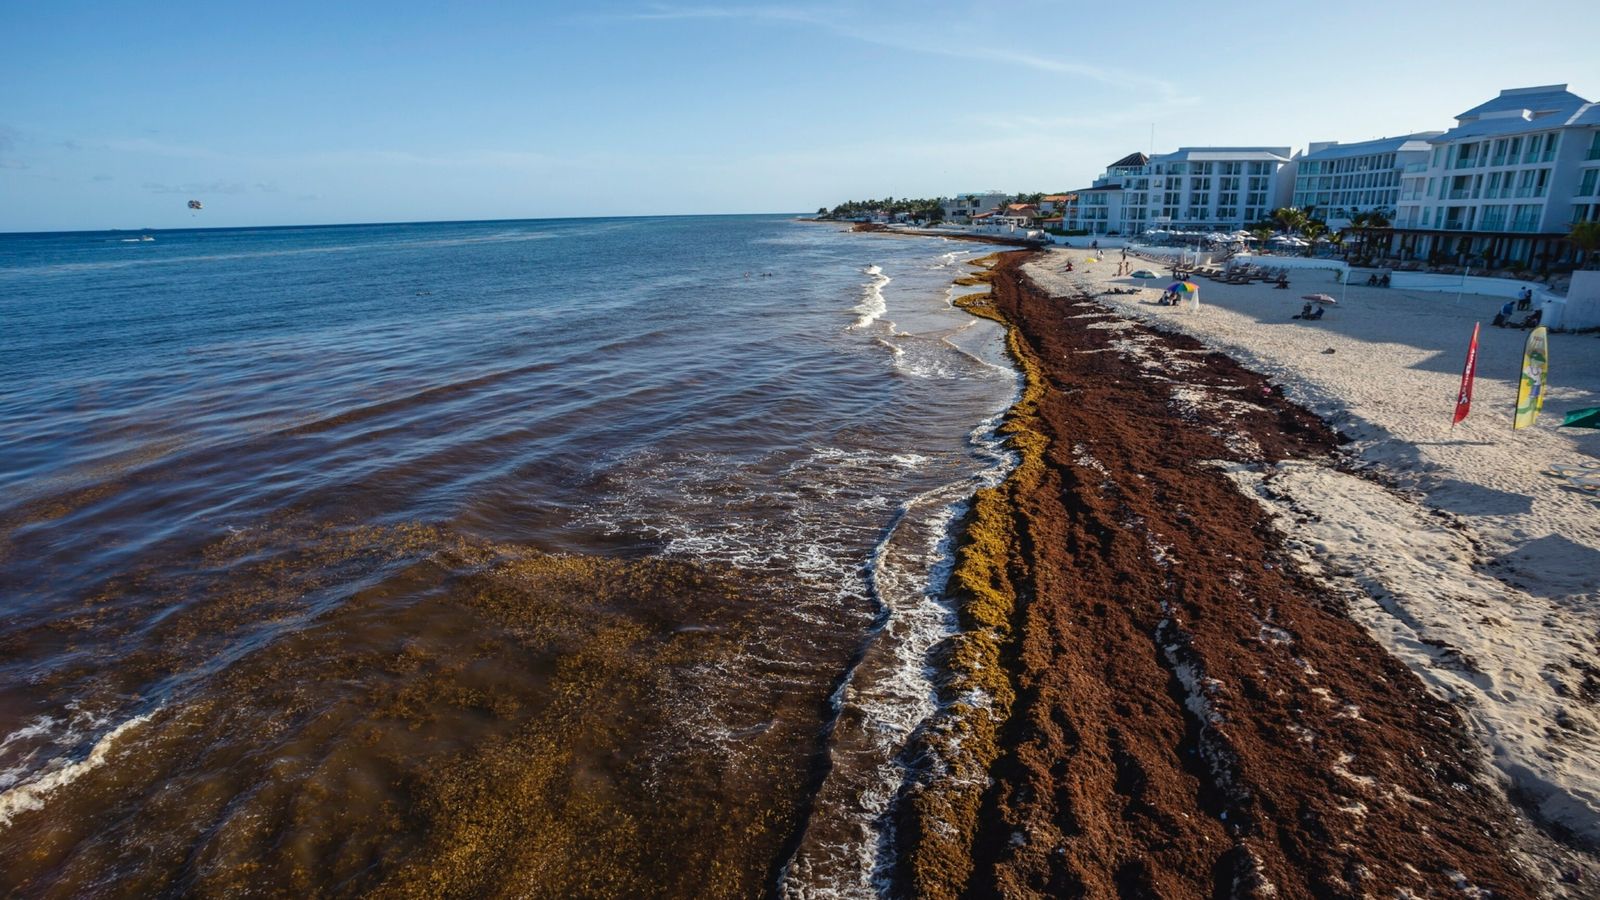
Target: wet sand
{"type": "Point", "coordinates": [1191, 716]}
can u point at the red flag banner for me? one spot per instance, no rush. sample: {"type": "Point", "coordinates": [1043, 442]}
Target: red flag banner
{"type": "Point", "coordinates": [1464, 396]}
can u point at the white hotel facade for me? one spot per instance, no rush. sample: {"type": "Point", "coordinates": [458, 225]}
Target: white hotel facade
{"type": "Point", "coordinates": [1505, 185]}
{"type": "Point", "coordinates": [1340, 180]}
{"type": "Point", "coordinates": [1193, 188]}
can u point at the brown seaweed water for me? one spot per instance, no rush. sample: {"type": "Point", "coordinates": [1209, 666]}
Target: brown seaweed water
{"type": "Point", "coordinates": [575, 558]}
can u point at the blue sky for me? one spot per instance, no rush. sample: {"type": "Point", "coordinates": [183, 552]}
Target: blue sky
{"type": "Point", "coordinates": [115, 114]}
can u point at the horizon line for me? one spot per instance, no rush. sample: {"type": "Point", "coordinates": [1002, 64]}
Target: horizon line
{"type": "Point", "coordinates": [59, 231]}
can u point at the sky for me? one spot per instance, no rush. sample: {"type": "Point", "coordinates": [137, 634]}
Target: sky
{"type": "Point", "coordinates": [115, 115]}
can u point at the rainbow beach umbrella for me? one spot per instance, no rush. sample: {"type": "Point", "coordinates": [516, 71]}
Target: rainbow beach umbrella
{"type": "Point", "coordinates": [1183, 287]}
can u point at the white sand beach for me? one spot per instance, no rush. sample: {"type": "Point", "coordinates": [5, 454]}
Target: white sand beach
{"type": "Point", "coordinates": [1455, 547]}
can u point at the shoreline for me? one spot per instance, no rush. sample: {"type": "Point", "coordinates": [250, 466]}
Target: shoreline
{"type": "Point", "coordinates": [1152, 752]}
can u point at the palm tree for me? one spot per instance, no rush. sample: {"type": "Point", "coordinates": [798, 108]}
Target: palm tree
{"type": "Point", "coordinates": [1363, 223]}
{"type": "Point", "coordinates": [1586, 236]}
{"type": "Point", "coordinates": [1313, 231]}
{"type": "Point", "coordinates": [1289, 219]}
{"type": "Point", "coordinates": [1262, 234]}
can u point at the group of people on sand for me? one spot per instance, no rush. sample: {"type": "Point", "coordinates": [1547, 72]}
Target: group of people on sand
{"type": "Point", "coordinates": [1502, 319]}
{"type": "Point", "coordinates": [1306, 311]}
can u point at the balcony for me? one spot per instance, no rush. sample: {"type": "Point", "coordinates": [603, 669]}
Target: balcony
{"type": "Point", "coordinates": [1498, 160]}
{"type": "Point", "coordinates": [1464, 194]}
{"type": "Point", "coordinates": [1412, 168]}
{"type": "Point", "coordinates": [1410, 195]}
{"type": "Point", "coordinates": [1467, 163]}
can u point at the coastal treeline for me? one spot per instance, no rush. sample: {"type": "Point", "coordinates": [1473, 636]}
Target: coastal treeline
{"type": "Point", "coordinates": [927, 210]}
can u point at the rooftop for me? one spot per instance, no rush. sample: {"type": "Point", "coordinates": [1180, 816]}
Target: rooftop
{"type": "Point", "coordinates": [1336, 150]}
{"type": "Point", "coordinates": [1539, 100]}
{"type": "Point", "coordinates": [1213, 154]}
{"type": "Point", "coordinates": [1581, 114]}
{"type": "Point", "coordinates": [1132, 159]}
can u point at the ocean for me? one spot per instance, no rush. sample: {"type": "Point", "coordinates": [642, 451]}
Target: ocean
{"type": "Point", "coordinates": [597, 556]}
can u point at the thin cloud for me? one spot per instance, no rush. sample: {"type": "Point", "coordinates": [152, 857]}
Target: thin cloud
{"type": "Point", "coordinates": [8, 141]}
{"type": "Point", "coordinates": [160, 148]}
{"type": "Point", "coordinates": [831, 21]}
{"type": "Point", "coordinates": [507, 159]}
{"type": "Point", "coordinates": [212, 187]}
{"type": "Point", "coordinates": [664, 13]}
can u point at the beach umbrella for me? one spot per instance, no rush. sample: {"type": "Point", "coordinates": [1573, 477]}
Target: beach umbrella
{"type": "Point", "coordinates": [1145, 273]}
{"type": "Point", "coordinates": [1582, 418]}
{"type": "Point", "coordinates": [1325, 299]}
{"type": "Point", "coordinates": [1183, 287]}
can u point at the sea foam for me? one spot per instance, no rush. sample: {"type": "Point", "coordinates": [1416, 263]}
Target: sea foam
{"type": "Point", "coordinates": [872, 305]}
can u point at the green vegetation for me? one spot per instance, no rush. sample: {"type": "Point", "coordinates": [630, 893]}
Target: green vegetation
{"type": "Point", "coordinates": [925, 210]}
{"type": "Point", "coordinates": [1586, 237]}
{"type": "Point", "coordinates": [1363, 223]}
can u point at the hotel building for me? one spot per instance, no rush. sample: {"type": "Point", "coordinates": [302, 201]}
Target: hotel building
{"type": "Point", "coordinates": [1339, 180]}
{"type": "Point", "coordinates": [1506, 184]}
{"type": "Point", "coordinates": [962, 207]}
{"type": "Point", "coordinates": [1209, 188]}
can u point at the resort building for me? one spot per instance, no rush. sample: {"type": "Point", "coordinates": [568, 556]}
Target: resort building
{"type": "Point", "coordinates": [963, 207]}
{"type": "Point", "coordinates": [1018, 215]}
{"type": "Point", "coordinates": [1340, 180]}
{"type": "Point", "coordinates": [1099, 208]}
{"type": "Point", "coordinates": [1210, 188]}
{"type": "Point", "coordinates": [1218, 188]}
{"type": "Point", "coordinates": [1054, 204]}
{"type": "Point", "coordinates": [1506, 184]}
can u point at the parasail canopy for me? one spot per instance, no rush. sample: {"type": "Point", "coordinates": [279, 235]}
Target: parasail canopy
{"type": "Point", "coordinates": [195, 204]}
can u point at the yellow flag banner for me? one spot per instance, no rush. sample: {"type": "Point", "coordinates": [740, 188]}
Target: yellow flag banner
{"type": "Point", "coordinates": [1535, 371]}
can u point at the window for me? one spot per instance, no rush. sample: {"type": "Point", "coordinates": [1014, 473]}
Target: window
{"type": "Point", "coordinates": [1590, 176]}
{"type": "Point", "coordinates": [1533, 149]}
